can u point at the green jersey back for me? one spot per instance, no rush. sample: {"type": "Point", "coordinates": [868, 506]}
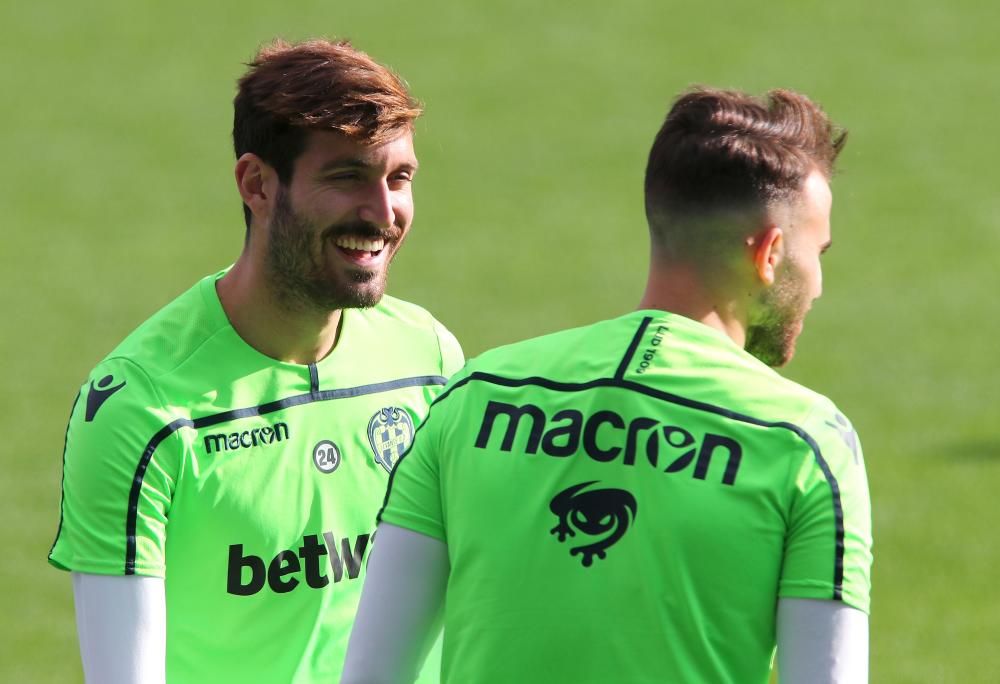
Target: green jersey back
{"type": "Point", "coordinates": [626, 502]}
{"type": "Point", "coordinates": [249, 484]}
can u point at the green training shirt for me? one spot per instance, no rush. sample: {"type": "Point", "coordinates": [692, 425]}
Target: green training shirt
{"type": "Point", "coordinates": [627, 501]}
{"type": "Point", "coordinates": [249, 484]}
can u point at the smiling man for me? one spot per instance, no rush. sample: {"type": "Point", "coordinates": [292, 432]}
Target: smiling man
{"type": "Point", "coordinates": [644, 499]}
{"type": "Point", "coordinates": [224, 464]}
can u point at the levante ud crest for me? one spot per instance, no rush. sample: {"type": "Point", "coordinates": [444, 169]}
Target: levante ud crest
{"type": "Point", "coordinates": [390, 432]}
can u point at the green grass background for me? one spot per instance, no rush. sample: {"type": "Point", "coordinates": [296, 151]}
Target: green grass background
{"type": "Point", "coordinates": [116, 194]}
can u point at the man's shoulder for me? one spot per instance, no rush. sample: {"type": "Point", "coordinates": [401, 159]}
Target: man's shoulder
{"type": "Point", "coordinates": [702, 363]}
{"type": "Point", "coordinates": [825, 426]}
{"type": "Point", "coordinates": [789, 401]}
{"type": "Point", "coordinates": [185, 320]}
{"type": "Point", "coordinates": [391, 311]}
{"type": "Point", "coordinates": [167, 338]}
{"type": "Point", "coordinates": [772, 399]}
{"type": "Point", "coordinates": [394, 323]}
{"type": "Point", "coordinates": [751, 387]}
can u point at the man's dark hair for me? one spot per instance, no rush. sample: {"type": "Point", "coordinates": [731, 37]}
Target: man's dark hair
{"type": "Point", "coordinates": [723, 151]}
{"type": "Point", "coordinates": [290, 89]}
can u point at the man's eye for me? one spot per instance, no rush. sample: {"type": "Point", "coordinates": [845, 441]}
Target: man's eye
{"type": "Point", "coordinates": [346, 176]}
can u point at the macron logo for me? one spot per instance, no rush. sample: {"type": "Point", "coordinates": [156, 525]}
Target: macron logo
{"type": "Point", "coordinates": [262, 436]}
{"type": "Point", "coordinates": [605, 436]}
{"type": "Point", "coordinates": [100, 394]}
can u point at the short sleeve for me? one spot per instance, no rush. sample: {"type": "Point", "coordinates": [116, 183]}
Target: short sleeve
{"type": "Point", "coordinates": [117, 484]}
{"type": "Point", "coordinates": [828, 548]}
{"type": "Point", "coordinates": [452, 358]}
{"type": "Point", "coordinates": [413, 499]}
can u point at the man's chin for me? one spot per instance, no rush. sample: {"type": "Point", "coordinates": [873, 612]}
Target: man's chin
{"type": "Point", "coordinates": [364, 301]}
{"type": "Point", "coordinates": [775, 353]}
{"type": "Point", "coordinates": [359, 295]}
{"type": "Point", "coordinates": [329, 297]}
{"type": "Point", "coordinates": [783, 360]}
{"type": "Point", "coordinates": [367, 293]}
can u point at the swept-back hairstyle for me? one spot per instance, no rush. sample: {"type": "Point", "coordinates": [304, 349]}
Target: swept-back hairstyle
{"type": "Point", "coordinates": [290, 89]}
{"type": "Point", "coordinates": [722, 151]}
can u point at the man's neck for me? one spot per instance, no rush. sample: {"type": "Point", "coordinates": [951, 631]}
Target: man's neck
{"type": "Point", "coordinates": [680, 289]}
{"type": "Point", "coordinates": [271, 326]}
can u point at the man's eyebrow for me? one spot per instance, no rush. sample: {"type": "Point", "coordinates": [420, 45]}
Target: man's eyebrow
{"type": "Point", "coordinates": [348, 163]}
{"type": "Point", "coordinates": [360, 163]}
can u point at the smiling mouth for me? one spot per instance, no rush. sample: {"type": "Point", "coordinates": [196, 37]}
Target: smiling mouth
{"type": "Point", "coordinates": [360, 251]}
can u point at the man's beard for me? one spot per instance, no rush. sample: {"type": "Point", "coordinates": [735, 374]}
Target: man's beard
{"type": "Point", "coordinates": [771, 336]}
{"type": "Point", "coordinates": [299, 275]}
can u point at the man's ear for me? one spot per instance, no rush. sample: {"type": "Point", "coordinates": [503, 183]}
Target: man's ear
{"type": "Point", "coordinates": [767, 248]}
{"type": "Point", "coordinates": [257, 184]}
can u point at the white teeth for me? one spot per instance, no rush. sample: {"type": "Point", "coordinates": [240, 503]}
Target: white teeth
{"type": "Point", "coordinates": [349, 242]}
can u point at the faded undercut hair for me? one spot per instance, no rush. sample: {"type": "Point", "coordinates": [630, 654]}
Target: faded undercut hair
{"type": "Point", "coordinates": [724, 153]}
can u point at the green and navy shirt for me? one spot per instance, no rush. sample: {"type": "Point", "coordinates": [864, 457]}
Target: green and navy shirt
{"type": "Point", "coordinates": [626, 502]}
{"type": "Point", "coordinates": [248, 484]}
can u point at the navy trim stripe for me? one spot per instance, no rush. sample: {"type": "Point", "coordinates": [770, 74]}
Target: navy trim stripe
{"type": "Point", "coordinates": [392, 473]}
{"type": "Point", "coordinates": [633, 345]}
{"type": "Point", "coordinates": [62, 482]}
{"type": "Point", "coordinates": [557, 386]}
{"type": "Point", "coordinates": [313, 378]}
{"type": "Point", "coordinates": [131, 520]}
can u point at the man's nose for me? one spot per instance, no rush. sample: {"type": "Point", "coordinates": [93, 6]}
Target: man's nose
{"type": "Point", "coordinates": [377, 207]}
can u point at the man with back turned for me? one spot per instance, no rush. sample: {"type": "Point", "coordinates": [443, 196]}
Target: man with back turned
{"type": "Point", "coordinates": [645, 499]}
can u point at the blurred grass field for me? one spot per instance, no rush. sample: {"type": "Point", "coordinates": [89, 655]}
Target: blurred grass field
{"type": "Point", "coordinates": [116, 194]}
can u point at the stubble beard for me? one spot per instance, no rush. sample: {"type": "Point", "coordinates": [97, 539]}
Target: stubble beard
{"type": "Point", "coordinates": [298, 275]}
{"type": "Point", "coordinates": [772, 336]}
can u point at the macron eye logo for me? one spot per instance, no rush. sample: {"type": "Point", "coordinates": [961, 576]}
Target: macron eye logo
{"type": "Point", "coordinates": [604, 515]}
{"type": "Point", "coordinates": [100, 394]}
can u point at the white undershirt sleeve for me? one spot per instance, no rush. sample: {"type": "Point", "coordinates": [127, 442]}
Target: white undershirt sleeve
{"type": "Point", "coordinates": [121, 623]}
{"type": "Point", "coordinates": [821, 642]}
{"type": "Point", "coordinates": [401, 608]}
